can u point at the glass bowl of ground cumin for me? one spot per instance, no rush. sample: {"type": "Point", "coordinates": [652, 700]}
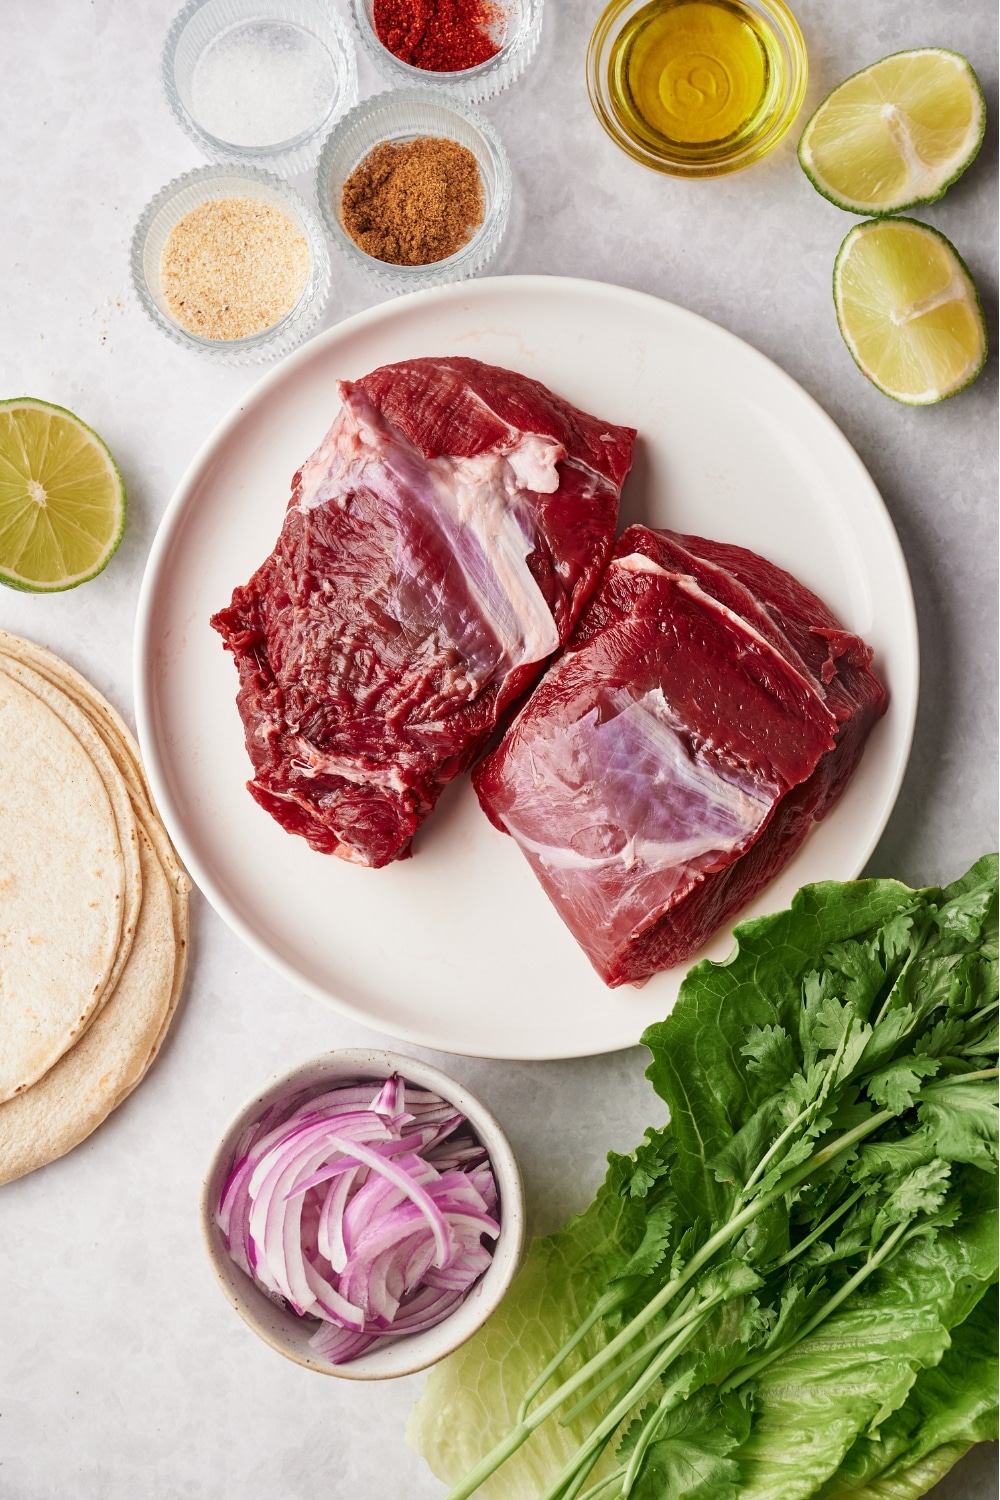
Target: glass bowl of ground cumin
{"type": "Point", "coordinates": [414, 189]}
{"type": "Point", "coordinates": [231, 262]}
{"type": "Point", "coordinates": [471, 48]}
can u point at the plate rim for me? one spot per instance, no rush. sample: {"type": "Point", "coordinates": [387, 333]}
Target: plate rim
{"type": "Point", "coordinates": [378, 314]}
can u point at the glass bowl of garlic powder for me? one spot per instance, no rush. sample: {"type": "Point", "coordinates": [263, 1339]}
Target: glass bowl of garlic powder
{"type": "Point", "coordinates": [230, 261]}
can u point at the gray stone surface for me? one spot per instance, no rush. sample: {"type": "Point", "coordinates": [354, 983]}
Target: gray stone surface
{"type": "Point", "coordinates": [122, 1370]}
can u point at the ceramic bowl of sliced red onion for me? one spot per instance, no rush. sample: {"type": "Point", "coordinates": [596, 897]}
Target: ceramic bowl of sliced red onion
{"type": "Point", "coordinates": [364, 1214]}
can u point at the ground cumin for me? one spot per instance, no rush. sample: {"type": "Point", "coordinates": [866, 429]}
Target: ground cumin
{"type": "Point", "coordinates": [415, 202]}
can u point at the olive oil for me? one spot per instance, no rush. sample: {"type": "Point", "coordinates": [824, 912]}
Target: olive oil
{"type": "Point", "coordinates": [696, 78]}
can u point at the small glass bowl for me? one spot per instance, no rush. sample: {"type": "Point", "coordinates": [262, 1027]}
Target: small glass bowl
{"type": "Point", "coordinates": [789, 73]}
{"type": "Point", "coordinates": [302, 76]}
{"type": "Point", "coordinates": [522, 30]}
{"type": "Point", "coordinates": [401, 115]}
{"type": "Point", "coordinates": [179, 198]}
{"type": "Point", "coordinates": [281, 1328]}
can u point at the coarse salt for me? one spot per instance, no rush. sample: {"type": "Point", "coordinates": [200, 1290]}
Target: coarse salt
{"type": "Point", "coordinates": [263, 84]}
{"type": "Point", "coordinates": [232, 267]}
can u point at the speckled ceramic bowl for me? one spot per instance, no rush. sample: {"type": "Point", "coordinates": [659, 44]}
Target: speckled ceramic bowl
{"type": "Point", "coordinates": [290, 1334]}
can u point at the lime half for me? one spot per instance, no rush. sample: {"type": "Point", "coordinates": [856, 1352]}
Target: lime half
{"type": "Point", "coordinates": [896, 134]}
{"type": "Point", "coordinates": [909, 310]}
{"type": "Point", "coordinates": [62, 500]}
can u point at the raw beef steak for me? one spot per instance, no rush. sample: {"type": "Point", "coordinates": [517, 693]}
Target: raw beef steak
{"type": "Point", "coordinates": [706, 712]}
{"type": "Point", "coordinates": [438, 546]}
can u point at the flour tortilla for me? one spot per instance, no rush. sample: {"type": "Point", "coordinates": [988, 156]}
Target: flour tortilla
{"type": "Point", "coordinates": [105, 719]}
{"type": "Point", "coordinates": [62, 887]}
{"type": "Point", "coordinates": [117, 737]}
{"type": "Point", "coordinates": [112, 1058]}
{"type": "Point", "coordinates": [124, 751]}
{"type": "Point", "coordinates": [91, 1079]}
{"type": "Point", "coordinates": [79, 725]}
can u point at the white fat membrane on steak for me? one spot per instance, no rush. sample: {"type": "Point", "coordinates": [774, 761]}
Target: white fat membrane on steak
{"type": "Point", "coordinates": [479, 508]}
{"type": "Point", "coordinates": [621, 788]}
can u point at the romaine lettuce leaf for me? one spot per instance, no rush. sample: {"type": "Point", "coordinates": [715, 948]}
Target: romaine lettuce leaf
{"type": "Point", "coordinates": [915, 1480]}
{"type": "Point", "coordinates": [866, 1008]}
{"type": "Point", "coordinates": [472, 1397]}
{"type": "Point", "coordinates": [862, 1364]}
{"type": "Point", "coordinates": [950, 1407]}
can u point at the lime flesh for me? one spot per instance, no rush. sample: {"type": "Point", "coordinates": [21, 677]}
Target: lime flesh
{"type": "Point", "coordinates": [896, 134]}
{"type": "Point", "coordinates": [62, 500]}
{"type": "Point", "coordinates": [908, 310]}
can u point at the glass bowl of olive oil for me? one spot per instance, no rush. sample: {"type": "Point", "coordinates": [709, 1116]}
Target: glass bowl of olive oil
{"type": "Point", "coordinates": [696, 88]}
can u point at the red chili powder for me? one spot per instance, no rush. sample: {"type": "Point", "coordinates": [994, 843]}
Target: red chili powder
{"type": "Point", "coordinates": [442, 36]}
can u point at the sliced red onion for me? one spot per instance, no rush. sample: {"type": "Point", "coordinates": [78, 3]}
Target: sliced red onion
{"type": "Point", "coordinates": [366, 1214]}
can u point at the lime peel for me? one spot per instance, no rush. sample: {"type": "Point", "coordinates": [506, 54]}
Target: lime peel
{"type": "Point", "coordinates": [897, 133]}
{"type": "Point", "coordinates": [909, 311]}
{"type": "Point", "coordinates": [62, 498]}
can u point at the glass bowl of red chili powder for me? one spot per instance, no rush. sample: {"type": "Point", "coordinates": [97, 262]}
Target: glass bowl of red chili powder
{"type": "Point", "coordinates": [472, 48]}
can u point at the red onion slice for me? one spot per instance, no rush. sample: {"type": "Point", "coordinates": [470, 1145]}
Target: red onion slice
{"type": "Point", "coordinates": [368, 1212]}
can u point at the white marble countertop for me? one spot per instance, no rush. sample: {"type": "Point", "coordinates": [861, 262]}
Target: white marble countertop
{"type": "Point", "coordinates": [123, 1372]}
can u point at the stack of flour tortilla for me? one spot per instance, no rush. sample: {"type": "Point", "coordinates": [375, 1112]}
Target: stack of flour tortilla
{"type": "Point", "coordinates": [93, 911]}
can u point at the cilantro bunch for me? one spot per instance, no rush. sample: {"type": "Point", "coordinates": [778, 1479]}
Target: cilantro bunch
{"type": "Point", "coordinates": [760, 1302]}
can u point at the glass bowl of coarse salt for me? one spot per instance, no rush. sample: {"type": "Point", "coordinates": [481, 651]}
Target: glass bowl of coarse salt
{"type": "Point", "coordinates": [471, 48]}
{"type": "Point", "coordinates": [259, 81]}
{"type": "Point", "coordinates": [230, 261]}
{"type": "Point", "coordinates": [414, 189]}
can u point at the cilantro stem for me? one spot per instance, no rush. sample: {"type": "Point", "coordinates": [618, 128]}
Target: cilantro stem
{"type": "Point", "coordinates": [686, 1315]}
{"type": "Point", "coordinates": [611, 1300]}
{"type": "Point", "coordinates": [830, 1306]}
{"type": "Point", "coordinates": [810, 1239]}
{"type": "Point", "coordinates": [951, 1078]}
{"type": "Point", "coordinates": [523, 1429]}
{"type": "Point", "coordinates": [646, 1437]}
{"type": "Point", "coordinates": [803, 1117]}
{"type": "Point", "coordinates": [603, 1484]}
{"type": "Point", "coordinates": [800, 1119]}
{"type": "Point", "coordinates": [582, 1475]}
{"type": "Point", "coordinates": [616, 1414]}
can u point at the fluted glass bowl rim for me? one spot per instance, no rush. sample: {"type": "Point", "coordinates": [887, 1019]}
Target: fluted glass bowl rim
{"type": "Point", "coordinates": [270, 342]}
{"type": "Point", "coordinates": [477, 252]}
{"type": "Point", "coordinates": [471, 85]}
{"type": "Point", "coordinates": [289, 159]}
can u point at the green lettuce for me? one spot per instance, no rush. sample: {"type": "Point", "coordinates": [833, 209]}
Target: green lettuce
{"type": "Point", "coordinates": [758, 1300]}
{"type": "Point", "coordinates": [472, 1397]}
{"type": "Point", "coordinates": [951, 1406]}
{"type": "Point", "coordinates": [864, 1363]}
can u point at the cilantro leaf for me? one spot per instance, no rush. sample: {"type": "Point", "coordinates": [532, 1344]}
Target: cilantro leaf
{"type": "Point", "coordinates": [688, 1458]}
{"type": "Point", "coordinates": [771, 1057]}
{"type": "Point", "coordinates": [922, 1191]}
{"type": "Point", "coordinates": [962, 1118]}
{"type": "Point", "coordinates": [655, 1241]}
{"type": "Point", "coordinates": [897, 1086]}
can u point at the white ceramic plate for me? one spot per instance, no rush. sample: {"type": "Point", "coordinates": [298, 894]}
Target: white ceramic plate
{"type": "Point", "coordinates": [458, 948]}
